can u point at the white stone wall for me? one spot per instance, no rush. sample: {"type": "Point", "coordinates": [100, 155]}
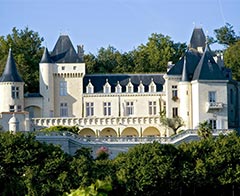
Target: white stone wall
{"type": "Point", "coordinates": [118, 103]}
{"type": "Point", "coordinates": [185, 106]}
{"type": "Point", "coordinates": [170, 103]}
{"type": "Point", "coordinates": [46, 88]}
{"type": "Point", "coordinates": [200, 100]}
{"type": "Point", "coordinates": [6, 95]}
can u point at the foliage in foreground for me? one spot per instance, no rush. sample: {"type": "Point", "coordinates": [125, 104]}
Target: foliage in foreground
{"type": "Point", "coordinates": [60, 128]}
{"type": "Point", "coordinates": [210, 166]}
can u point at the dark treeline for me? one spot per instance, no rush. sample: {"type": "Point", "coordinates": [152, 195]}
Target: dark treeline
{"type": "Point", "coordinates": [152, 56]}
{"type": "Point", "coordinates": [210, 166]}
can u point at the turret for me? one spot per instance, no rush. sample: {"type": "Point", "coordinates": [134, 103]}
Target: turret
{"type": "Point", "coordinates": [46, 83]}
{"type": "Point", "coordinates": [61, 74]}
{"type": "Point", "coordinates": [185, 96]}
{"type": "Point", "coordinates": [11, 88]}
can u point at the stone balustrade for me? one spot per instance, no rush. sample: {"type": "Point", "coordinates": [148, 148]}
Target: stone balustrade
{"type": "Point", "coordinates": [95, 121]}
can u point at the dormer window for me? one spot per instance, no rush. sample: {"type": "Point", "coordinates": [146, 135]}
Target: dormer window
{"type": "Point", "coordinates": [90, 87]}
{"type": "Point", "coordinates": [107, 87]}
{"type": "Point", "coordinates": [141, 88]}
{"type": "Point", "coordinates": [129, 87]}
{"type": "Point", "coordinates": [63, 67]}
{"type": "Point", "coordinates": [152, 87]}
{"type": "Point", "coordinates": [118, 88]}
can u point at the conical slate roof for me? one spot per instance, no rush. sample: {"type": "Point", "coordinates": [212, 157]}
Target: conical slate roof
{"type": "Point", "coordinates": [198, 39]}
{"type": "Point", "coordinates": [46, 58]}
{"type": "Point", "coordinates": [10, 73]}
{"type": "Point", "coordinates": [185, 76]}
{"type": "Point", "coordinates": [64, 51]}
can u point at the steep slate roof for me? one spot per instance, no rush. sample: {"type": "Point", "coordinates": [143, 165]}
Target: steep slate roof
{"type": "Point", "coordinates": [64, 51]}
{"type": "Point", "coordinates": [195, 65]}
{"type": "Point", "coordinates": [208, 69]}
{"type": "Point", "coordinates": [99, 80]}
{"type": "Point", "coordinates": [185, 76]}
{"type": "Point", "coordinates": [10, 73]}
{"type": "Point", "coordinates": [192, 58]}
{"type": "Point", "coordinates": [198, 39]}
{"type": "Point", "coordinates": [46, 58]}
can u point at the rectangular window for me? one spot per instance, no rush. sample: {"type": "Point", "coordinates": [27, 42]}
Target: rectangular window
{"type": "Point", "coordinates": [107, 108]}
{"type": "Point", "coordinates": [152, 107]}
{"type": "Point", "coordinates": [129, 108]}
{"type": "Point", "coordinates": [213, 123]}
{"type": "Point", "coordinates": [63, 88]}
{"type": "Point", "coordinates": [63, 109]}
{"type": "Point", "coordinates": [89, 109]}
{"type": "Point", "coordinates": [175, 112]}
{"type": "Point", "coordinates": [19, 108]}
{"type": "Point", "coordinates": [11, 108]}
{"type": "Point", "coordinates": [107, 89]}
{"type": "Point", "coordinates": [174, 91]}
{"type": "Point", "coordinates": [15, 92]}
{"type": "Point", "coordinates": [212, 96]}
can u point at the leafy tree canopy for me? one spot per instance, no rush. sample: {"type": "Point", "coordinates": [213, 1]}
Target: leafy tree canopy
{"type": "Point", "coordinates": [226, 35]}
{"type": "Point", "coordinates": [27, 52]}
{"type": "Point", "coordinates": [231, 59]}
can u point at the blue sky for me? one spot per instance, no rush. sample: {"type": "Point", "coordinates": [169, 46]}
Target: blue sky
{"type": "Point", "coordinates": [124, 24]}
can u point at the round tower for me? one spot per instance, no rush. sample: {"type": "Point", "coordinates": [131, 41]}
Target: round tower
{"type": "Point", "coordinates": [11, 88]}
{"type": "Point", "coordinates": [185, 97]}
{"type": "Point", "coordinates": [46, 84]}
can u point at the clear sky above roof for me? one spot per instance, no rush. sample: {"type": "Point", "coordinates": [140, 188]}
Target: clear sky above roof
{"type": "Point", "coordinates": [124, 24]}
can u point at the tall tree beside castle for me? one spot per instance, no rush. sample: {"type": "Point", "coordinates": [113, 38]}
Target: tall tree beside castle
{"type": "Point", "coordinates": [27, 50]}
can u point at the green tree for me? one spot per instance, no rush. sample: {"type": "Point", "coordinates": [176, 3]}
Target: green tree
{"type": "Point", "coordinates": [100, 188]}
{"type": "Point", "coordinates": [204, 130]}
{"type": "Point", "coordinates": [82, 168]}
{"type": "Point", "coordinates": [27, 52]}
{"type": "Point", "coordinates": [150, 169]}
{"type": "Point", "coordinates": [59, 128]}
{"type": "Point", "coordinates": [173, 123]}
{"type": "Point", "coordinates": [226, 35]}
{"type": "Point", "coordinates": [29, 167]}
{"type": "Point", "coordinates": [155, 55]}
{"type": "Point", "coordinates": [231, 59]}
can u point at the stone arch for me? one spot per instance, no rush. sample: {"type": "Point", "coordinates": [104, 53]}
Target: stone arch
{"type": "Point", "coordinates": [151, 131]}
{"type": "Point", "coordinates": [108, 132]}
{"type": "Point", "coordinates": [87, 132]}
{"type": "Point", "coordinates": [130, 132]}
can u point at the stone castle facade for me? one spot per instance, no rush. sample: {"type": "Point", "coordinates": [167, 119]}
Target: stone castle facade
{"type": "Point", "coordinates": [197, 88]}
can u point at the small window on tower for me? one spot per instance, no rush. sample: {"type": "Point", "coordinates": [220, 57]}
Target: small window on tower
{"type": "Point", "coordinates": [11, 108]}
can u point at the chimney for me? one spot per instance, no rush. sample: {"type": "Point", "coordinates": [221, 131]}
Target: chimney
{"type": "Point", "coordinates": [80, 52]}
